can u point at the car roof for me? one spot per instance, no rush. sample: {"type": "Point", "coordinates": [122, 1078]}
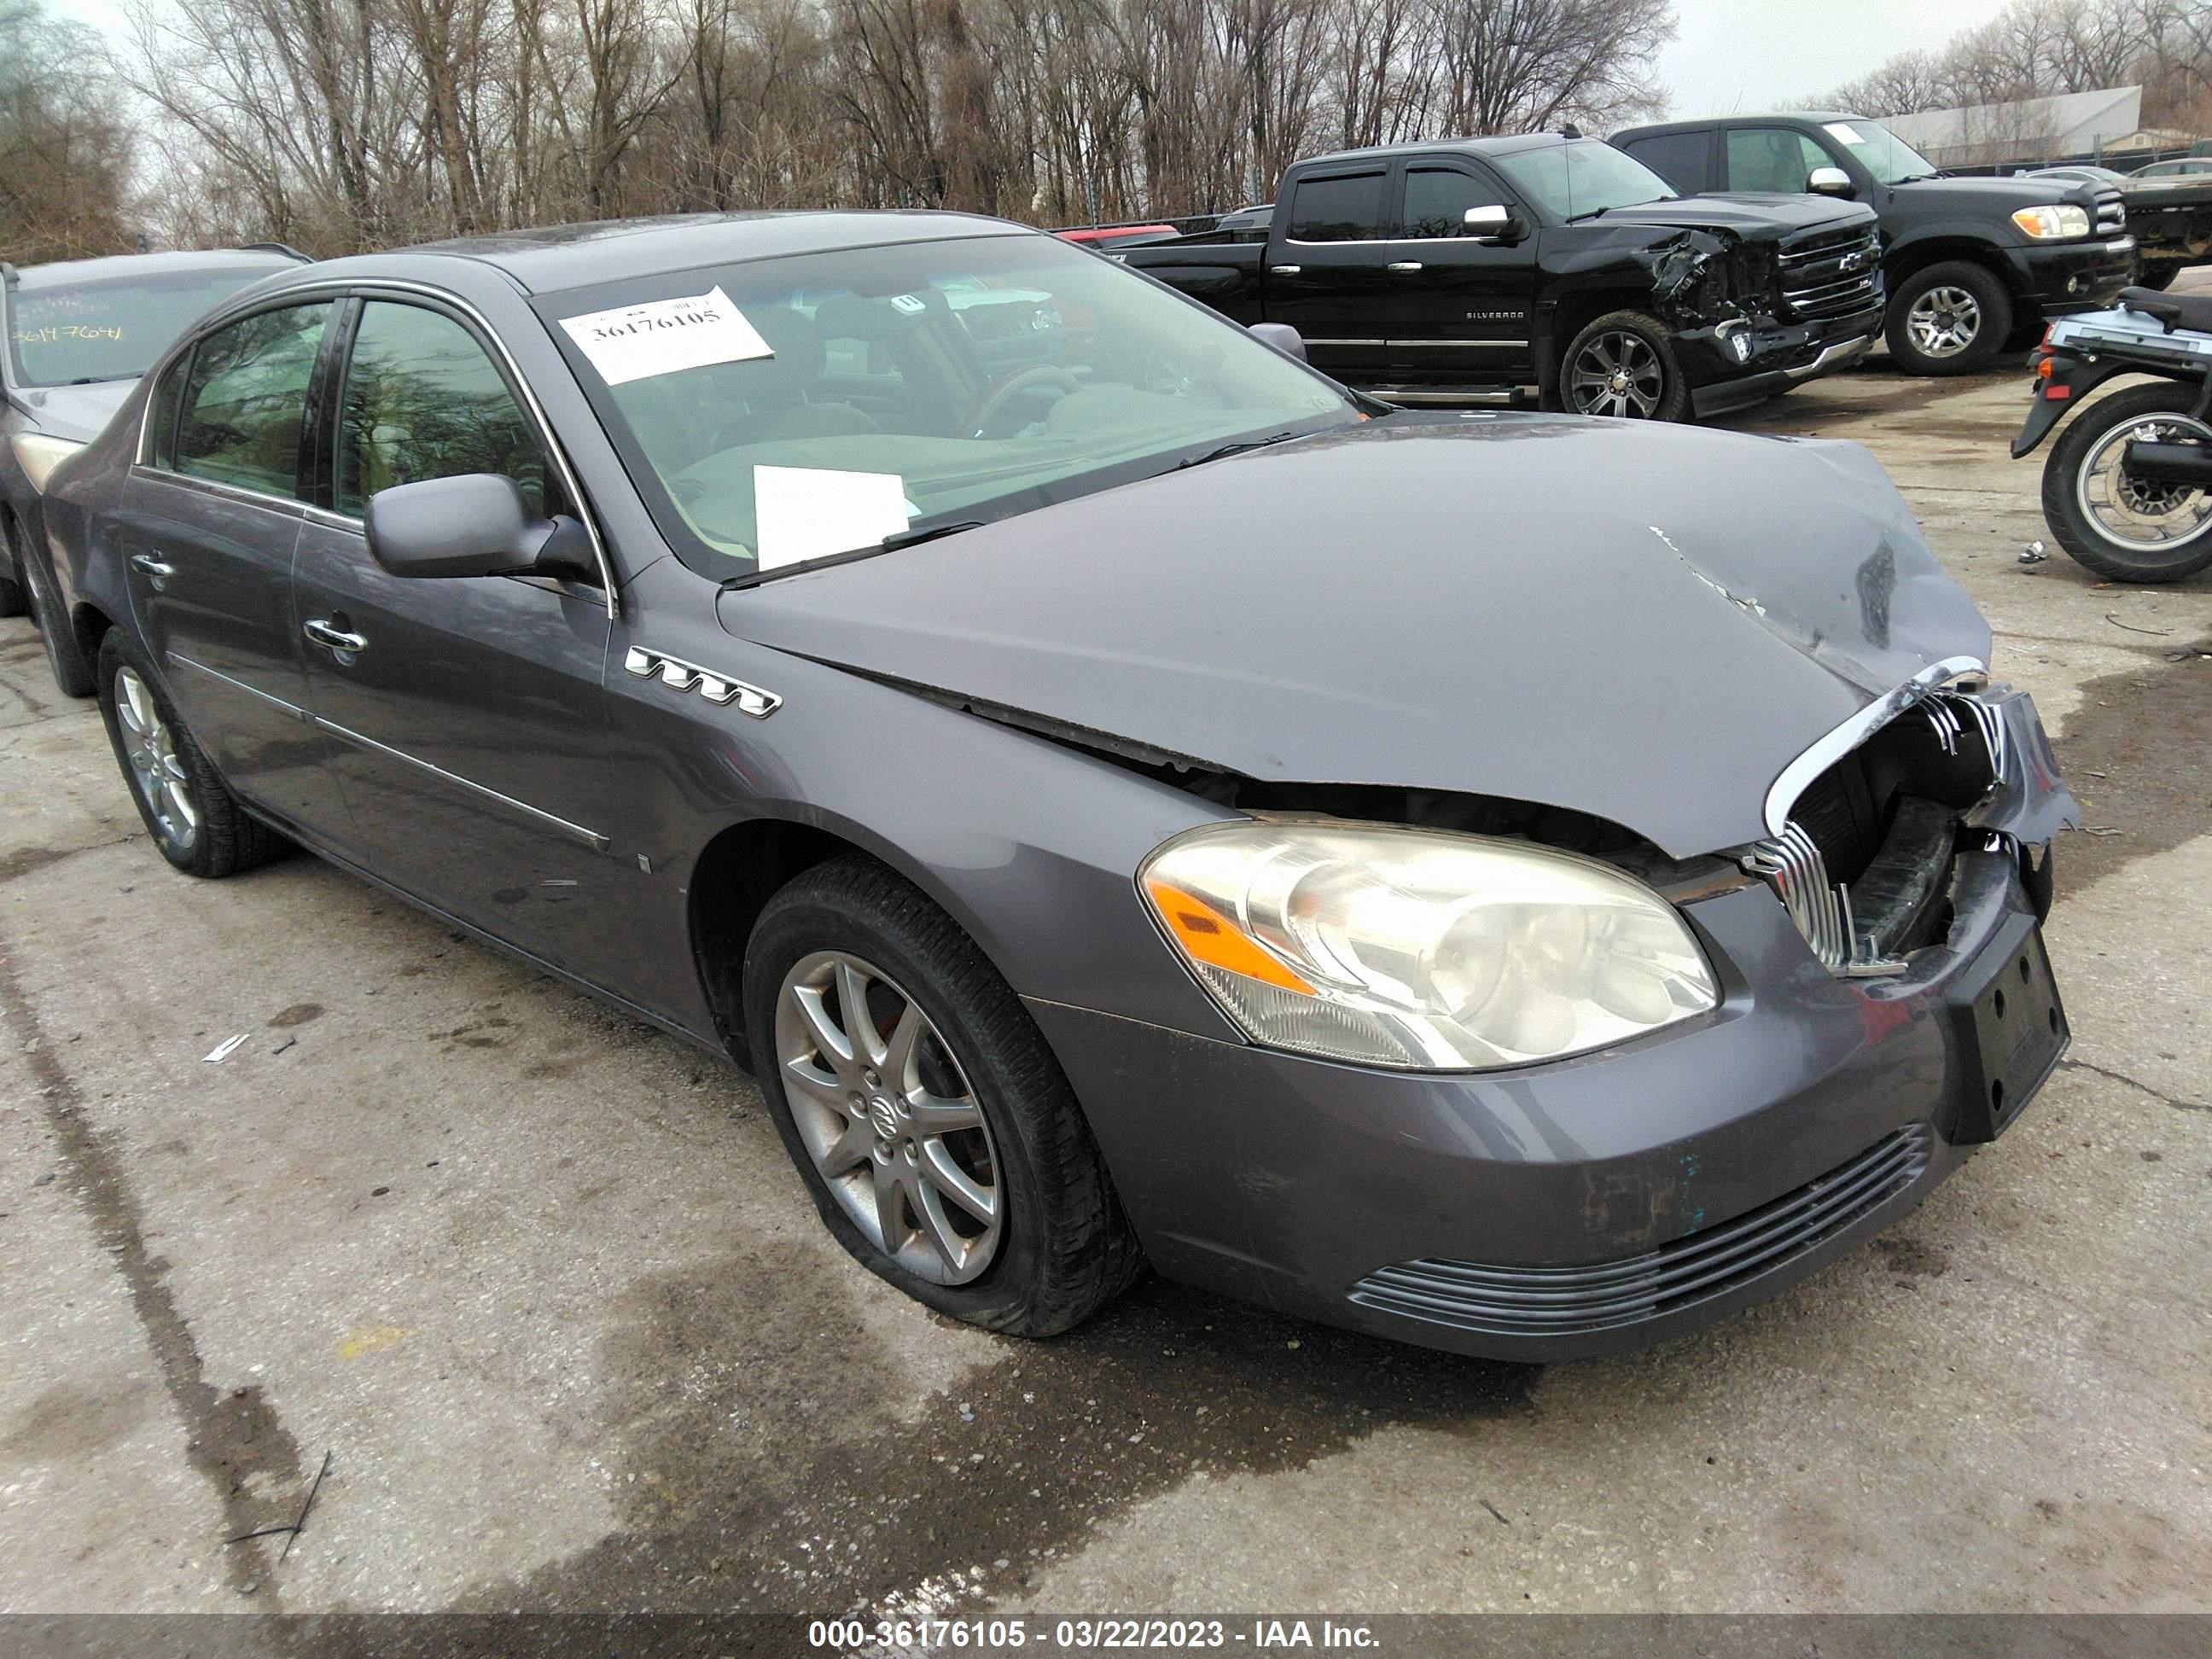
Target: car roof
{"type": "Point", "coordinates": [1739, 119]}
{"type": "Point", "coordinates": [582, 255]}
{"type": "Point", "coordinates": [66, 273]}
{"type": "Point", "coordinates": [1513, 145]}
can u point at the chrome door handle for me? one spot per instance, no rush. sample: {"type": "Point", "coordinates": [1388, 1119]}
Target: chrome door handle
{"type": "Point", "coordinates": [146, 564]}
{"type": "Point", "coordinates": [336, 639]}
{"type": "Point", "coordinates": [1285, 270]}
{"type": "Point", "coordinates": [1402, 265]}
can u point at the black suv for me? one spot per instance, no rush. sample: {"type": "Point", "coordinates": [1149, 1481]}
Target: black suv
{"type": "Point", "coordinates": [1971, 262]}
{"type": "Point", "coordinates": [75, 337]}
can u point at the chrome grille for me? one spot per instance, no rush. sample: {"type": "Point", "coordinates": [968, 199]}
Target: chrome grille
{"type": "Point", "coordinates": [2112, 213]}
{"type": "Point", "coordinates": [1832, 273]}
{"type": "Point", "coordinates": [1472, 1296]}
{"type": "Point", "coordinates": [1791, 864]}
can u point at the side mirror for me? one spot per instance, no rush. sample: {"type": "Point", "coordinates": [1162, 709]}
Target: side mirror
{"type": "Point", "coordinates": [1831, 181]}
{"type": "Point", "coordinates": [475, 525]}
{"type": "Point", "coordinates": [1493, 223]}
{"type": "Point", "coordinates": [1281, 336]}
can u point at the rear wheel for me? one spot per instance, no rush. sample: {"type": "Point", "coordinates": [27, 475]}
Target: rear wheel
{"type": "Point", "coordinates": [1950, 319]}
{"type": "Point", "coordinates": [187, 808]}
{"type": "Point", "coordinates": [2123, 528]}
{"type": "Point", "coordinates": [1623, 365]}
{"type": "Point", "coordinates": [941, 1144]}
{"type": "Point", "coordinates": [64, 656]}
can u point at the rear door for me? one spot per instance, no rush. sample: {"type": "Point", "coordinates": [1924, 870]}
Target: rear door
{"type": "Point", "coordinates": [1684, 160]}
{"type": "Point", "coordinates": [208, 526]}
{"type": "Point", "coordinates": [472, 724]}
{"type": "Point", "coordinates": [1328, 273]}
{"type": "Point", "coordinates": [1458, 309]}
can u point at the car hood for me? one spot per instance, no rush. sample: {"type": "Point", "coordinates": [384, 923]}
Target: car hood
{"type": "Point", "coordinates": [77, 412]}
{"type": "Point", "coordinates": [1642, 623]}
{"type": "Point", "coordinates": [1999, 195]}
{"type": "Point", "coordinates": [1756, 216]}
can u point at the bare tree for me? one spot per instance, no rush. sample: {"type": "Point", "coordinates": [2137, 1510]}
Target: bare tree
{"type": "Point", "coordinates": [64, 148]}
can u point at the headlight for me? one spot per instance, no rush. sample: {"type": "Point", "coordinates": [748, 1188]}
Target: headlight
{"type": "Point", "coordinates": [2052, 224]}
{"type": "Point", "coordinates": [38, 455]}
{"type": "Point", "coordinates": [1422, 949]}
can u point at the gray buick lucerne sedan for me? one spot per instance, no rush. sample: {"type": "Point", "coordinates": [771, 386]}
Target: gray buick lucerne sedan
{"type": "Point", "coordinates": [1521, 884]}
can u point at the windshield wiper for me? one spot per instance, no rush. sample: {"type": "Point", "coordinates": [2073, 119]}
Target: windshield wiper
{"type": "Point", "coordinates": [1237, 448]}
{"type": "Point", "coordinates": [899, 538]}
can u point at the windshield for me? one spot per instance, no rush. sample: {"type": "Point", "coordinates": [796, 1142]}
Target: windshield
{"type": "Point", "coordinates": [796, 408]}
{"type": "Point", "coordinates": [1581, 178]}
{"type": "Point", "coordinates": [112, 329]}
{"type": "Point", "coordinates": [1880, 151]}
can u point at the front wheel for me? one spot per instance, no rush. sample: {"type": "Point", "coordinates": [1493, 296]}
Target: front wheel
{"type": "Point", "coordinates": [933, 1128]}
{"type": "Point", "coordinates": [2121, 528]}
{"type": "Point", "coordinates": [1624, 365]}
{"type": "Point", "coordinates": [1951, 319]}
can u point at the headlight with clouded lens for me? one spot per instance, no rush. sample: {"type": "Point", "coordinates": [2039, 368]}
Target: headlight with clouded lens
{"type": "Point", "coordinates": [38, 454]}
{"type": "Point", "coordinates": [1421, 950]}
{"type": "Point", "coordinates": [2052, 224]}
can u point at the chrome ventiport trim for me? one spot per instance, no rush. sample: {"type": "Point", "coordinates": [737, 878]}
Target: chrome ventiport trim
{"type": "Point", "coordinates": [1794, 778]}
{"type": "Point", "coordinates": [716, 686]}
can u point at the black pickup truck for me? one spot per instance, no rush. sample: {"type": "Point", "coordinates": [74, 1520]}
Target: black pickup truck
{"type": "Point", "coordinates": [1552, 265]}
{"type": "Point", "coordinates": [1969, 263]}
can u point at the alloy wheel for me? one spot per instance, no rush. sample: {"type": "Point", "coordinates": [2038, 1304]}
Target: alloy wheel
{"type": "Point", "coordinates": [1944, 321]}
{"type": "Point", "coordinates": [1617, 374]}
{"type": "Point", "coordinates": [886, 1112]}
{"type": "Point", "coordinates": [157, 770]}
{"type": "Point", "coordinates": [2138, 513]}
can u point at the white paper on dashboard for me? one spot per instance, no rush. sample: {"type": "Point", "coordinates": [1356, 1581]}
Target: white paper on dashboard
{"type": "Point", "coordinates": [810, 512]}
{"type": "Point", "coordinates": [634, 342]}
{"type": "Point", "coordinates": [1844, 130]}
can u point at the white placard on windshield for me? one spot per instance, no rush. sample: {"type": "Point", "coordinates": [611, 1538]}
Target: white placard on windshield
{"type": "Point", "coordinates": [634, 342]}
{"type": "Point", "coordinates": [810, 512]}
{"type": "Point", "coordinates": [1844, 130]}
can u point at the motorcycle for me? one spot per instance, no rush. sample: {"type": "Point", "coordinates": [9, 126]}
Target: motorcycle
{"type": "Point", "coordinates": [2128, 487]}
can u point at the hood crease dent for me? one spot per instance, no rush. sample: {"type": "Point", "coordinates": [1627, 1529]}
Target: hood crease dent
{"type": "Point", "coordinates": [1647, 624]}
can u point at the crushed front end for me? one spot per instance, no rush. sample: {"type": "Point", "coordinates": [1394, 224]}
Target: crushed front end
{"type": "Point", "coordinates": [1766, 315]}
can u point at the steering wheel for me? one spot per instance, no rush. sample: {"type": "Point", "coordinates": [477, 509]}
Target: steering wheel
{"type": "Point", "coordinates": [1000, 398]}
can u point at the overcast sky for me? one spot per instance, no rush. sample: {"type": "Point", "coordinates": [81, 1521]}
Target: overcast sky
{"type": "Point", "coordinates": [1753, 54]}
{"type": "Point", "coordinates": [1727, 54]}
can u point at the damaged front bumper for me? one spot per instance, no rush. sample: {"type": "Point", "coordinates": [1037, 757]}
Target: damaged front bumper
{"type": "Point", "coordinates": [1773, 356]}
{"type": "Point", "coordinates": [1620, 1198]}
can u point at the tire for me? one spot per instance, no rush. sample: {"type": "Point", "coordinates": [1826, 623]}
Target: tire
{"type": "Point", "coordinates": [1061, 1247]}
{"type": "Point", "coordinates": [13, 601]}
{"type": "Point", "coordinates": [1635, 357]}
{"type": "Point", "coordinates": [2069, 490]}
{"type": "Point", "coordinates": [1950, 319]}
{"type": "Point", "coordinates": [64, 656]}
{"type": "Point", "coordinates": [197, 823]}
{"type": "Point", "coordinates": [2159, 278]}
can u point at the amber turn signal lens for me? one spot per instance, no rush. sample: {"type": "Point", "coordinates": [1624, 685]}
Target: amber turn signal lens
{"type": "Point", "coordinates": [1205, 936]}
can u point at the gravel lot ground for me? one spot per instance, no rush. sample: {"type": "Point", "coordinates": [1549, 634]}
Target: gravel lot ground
{"type": "Point", "coordinates": [542, 1285]}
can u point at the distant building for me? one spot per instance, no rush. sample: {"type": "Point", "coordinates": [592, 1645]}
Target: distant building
{"type": "Point", "coordinates": [2064, 127]}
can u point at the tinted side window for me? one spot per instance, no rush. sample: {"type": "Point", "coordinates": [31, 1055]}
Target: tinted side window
{"type": "Point", "coordinates": [423, 400]}
{"type": "Point", "coordinates": [1347, 209]}
{"type": "Point", "coordinates": [1677, 157]}
{"type": "Point", "coordinates": [1772, 158]}
{"type": "Point", "coordinates": [1437, 198]}
{"type": "Point", "coordinates": [245, 397]}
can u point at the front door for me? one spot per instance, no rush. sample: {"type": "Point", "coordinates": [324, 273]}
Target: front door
{"type": "Point", "coordinates": [472, 724]}
{"type": "Point", "coordinates": [208, 527]}
{"type": "Point", "coordinates": [1460, 310]}
{"type": "Point", "coordinates": [1326, 275]}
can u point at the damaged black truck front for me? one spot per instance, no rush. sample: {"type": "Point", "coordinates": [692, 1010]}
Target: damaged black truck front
{"type": "Point", "coordinates": [1543, 268]}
